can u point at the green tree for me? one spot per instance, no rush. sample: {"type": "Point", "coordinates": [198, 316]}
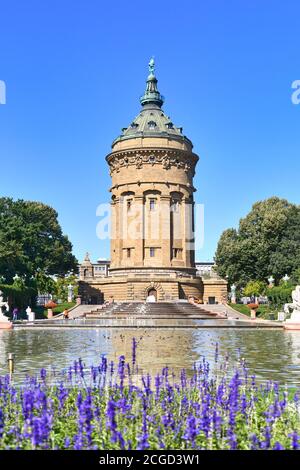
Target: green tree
{"type": "Point", "coordinates": [255, 288]}
{"type": "Point", "coordinates": [61, 287]}
{"type": "Point", "coordinates": [31, 240]}
{"type": "Point", "coordinates": [44, 284]}
{"type": "Point", "coordinates": [266, 242]}
{"type": "Point", "coordinates": [296, 277]}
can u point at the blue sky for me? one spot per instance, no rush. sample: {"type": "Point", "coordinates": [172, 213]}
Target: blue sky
{"type": "Point", "coordinates": [74, 71]}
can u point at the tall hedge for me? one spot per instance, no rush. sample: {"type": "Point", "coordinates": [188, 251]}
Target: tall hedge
{"type": "Point", "coordinates": [280, 295]}
{"type": "Point", "coordinates": [17, 296]}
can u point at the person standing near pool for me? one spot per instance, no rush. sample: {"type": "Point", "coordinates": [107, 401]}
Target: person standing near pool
{"type": "Point", "coordinates": [66, 314]}
{"type": "Point", "coordinates": [15, 314]}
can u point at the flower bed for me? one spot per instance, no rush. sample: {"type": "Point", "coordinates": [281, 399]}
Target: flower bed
{"type": "Point", "coordinates": [111, 406]}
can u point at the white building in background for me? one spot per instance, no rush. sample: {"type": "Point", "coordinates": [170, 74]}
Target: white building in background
{"type": "Point", "coordinates": [90, 269]}
{"type": "Point", "coordinates": [101, 268]}
{"type": "Point", "coordinates": [205, 268]}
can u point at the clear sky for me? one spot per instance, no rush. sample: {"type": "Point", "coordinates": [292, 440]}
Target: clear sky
{"type": "Point", "coordinates": [74, 71]}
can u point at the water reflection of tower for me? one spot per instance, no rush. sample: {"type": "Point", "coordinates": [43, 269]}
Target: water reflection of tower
{"type": "Point", "coordinates": [156, 348]}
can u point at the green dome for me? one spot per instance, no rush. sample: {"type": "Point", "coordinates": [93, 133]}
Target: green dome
{"type": "Point", "coordinates": [152, 121]}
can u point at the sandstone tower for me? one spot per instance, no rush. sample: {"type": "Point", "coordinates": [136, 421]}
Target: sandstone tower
{"type": "Point", "coordinates": [152, 166]}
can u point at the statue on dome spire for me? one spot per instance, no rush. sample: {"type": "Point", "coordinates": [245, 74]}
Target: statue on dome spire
{"type": "Point", "coordinates": [151, 66]}
{"type": "Point", "coordinates": [152, 95]}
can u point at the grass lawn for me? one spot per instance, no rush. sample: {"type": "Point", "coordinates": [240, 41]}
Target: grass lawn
{"type": "Point", "coordinates": [41, 312]}
{"type": "Point", "coordinates": [263, 311]}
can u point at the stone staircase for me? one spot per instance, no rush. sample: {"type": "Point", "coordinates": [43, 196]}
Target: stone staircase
{"type": "Point", "coordinates": [160, 310]}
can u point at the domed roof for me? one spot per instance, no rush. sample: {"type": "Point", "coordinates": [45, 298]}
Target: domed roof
{"type": "Point", "coordinates": [152, 121]}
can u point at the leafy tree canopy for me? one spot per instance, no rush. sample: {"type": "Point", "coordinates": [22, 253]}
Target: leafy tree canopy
{"type": "Point", "coordinates": [61, 287]}
{"type": "Point", "coordinates": [255, 288]}
{"type": "Point", "coordinates": [31, 241]}
{"type": "Point", "coordinates": [266, 243]}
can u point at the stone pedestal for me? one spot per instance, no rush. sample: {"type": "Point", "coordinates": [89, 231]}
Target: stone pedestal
{"type": "Point", "coordinates": [30, 314]}
{"type": "Point", "coordinates": [293, 323]}
{"type": "Point", "coordinates": [281, 316]}
{"type": "Point", "coordinates": [253, 313]}
{"type": "Point", "coordinates": [5, 324]}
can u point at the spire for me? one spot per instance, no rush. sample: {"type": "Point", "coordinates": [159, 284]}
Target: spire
{"type": "Point", "coordinates": [152, 95]}
{"type": "Point", "coordinates": [87, 259]}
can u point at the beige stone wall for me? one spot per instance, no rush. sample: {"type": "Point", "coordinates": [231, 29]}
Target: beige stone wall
{"type": "Point", "coordinates": [126, 288]}
{"type": "Point", "coordinates": [155, 142]}
{"type": "Point", "coordinates": [215, 288]}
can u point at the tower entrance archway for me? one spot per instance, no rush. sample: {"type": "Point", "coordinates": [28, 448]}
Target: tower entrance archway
{"type": "Point", "coordinates": [152, 295]}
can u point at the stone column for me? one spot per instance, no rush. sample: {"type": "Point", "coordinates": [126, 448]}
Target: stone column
{"type": "Point", "coordinates": [165, 228]}
{"type": "Point", "coordinates": [187, 235]}
{"type": "Point", "coordinates": [113, 232]}
{"type": "Point", "coordinates": [139, 222]}
{"type": "Point", "coordinates": [117, 232]}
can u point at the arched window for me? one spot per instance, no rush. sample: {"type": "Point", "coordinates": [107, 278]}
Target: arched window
{"type": "Point", "coordinates": [151, 124]}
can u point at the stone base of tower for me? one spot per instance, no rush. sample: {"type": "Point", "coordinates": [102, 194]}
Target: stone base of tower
{"type": "Point", "coordinates": [131, 288]}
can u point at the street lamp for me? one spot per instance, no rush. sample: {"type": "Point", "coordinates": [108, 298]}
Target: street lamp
{"type": "Point", "coordinates": [70, 293]}
{"type": "Point", "coordinates": [233, 294]}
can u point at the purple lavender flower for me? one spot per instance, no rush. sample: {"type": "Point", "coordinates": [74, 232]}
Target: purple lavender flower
{"type": "Point", "coordinates": [134, 348]}
{"type": "Point", "coordinates": [1, 423]}
{"type": "Point", "coordinates": [41, 427]}
{"type": "Point", "coordinates": [295, 440]}
{"type": "Point", "coordinates": [62, 394]}
{"type": "Point", "coordinates": [143, 441]}
{"type": "Point", "coordinates": [111, 418]}
{"type": "Point", "coordinates": [81, 368]}
{"type": "Point", "coordinates": [67, 442]}
{"type": "Point", "coordinates": [255, 443]}
{"type": "Point", "coordinates": [266, 444]}
{"type": "Point", "coordinates": [191, 429]}
{"type": "Point", "coordinates": [43, 374]}
{"type": "Point", "coordinates": [157, 384]}
{"type": "Point", "coordinates": [278, 446]}
{"type": "Point", "coordinates": [232, 439]}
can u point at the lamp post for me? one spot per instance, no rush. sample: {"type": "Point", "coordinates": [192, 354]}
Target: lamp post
{"type": "Point", "coordinates": [70, 293]}
{"type": "Point", "coordinates": [233, 294]}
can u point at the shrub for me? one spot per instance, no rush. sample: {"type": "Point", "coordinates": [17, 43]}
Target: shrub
{"type": "Point", "coordinates": [279, 295]}
{"type": "Point", "coordinates": [19, 296]}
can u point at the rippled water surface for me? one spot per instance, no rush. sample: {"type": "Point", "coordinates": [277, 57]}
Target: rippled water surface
{"type": "Point", "coordinates": [270, 353]}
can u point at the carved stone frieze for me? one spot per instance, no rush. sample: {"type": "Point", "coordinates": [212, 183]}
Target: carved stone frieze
{"type": "Point", "coordinates": [169, 158]}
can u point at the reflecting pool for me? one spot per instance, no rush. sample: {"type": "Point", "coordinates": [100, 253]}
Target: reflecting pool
{"type": "Point", "coordinates": [271, 354]}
